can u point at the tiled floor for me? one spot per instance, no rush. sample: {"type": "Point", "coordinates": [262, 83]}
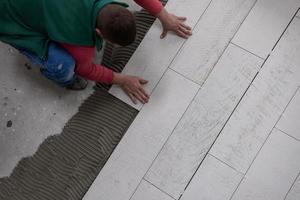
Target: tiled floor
{"type": "Point", "coordinates": [223, 119]}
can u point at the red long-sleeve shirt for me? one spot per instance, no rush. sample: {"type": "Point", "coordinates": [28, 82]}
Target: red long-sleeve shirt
{"type": "Point", "coordinates": [84, 55]}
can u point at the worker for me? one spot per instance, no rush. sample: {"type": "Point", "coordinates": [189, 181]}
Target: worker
{"type": "Point", "coordinates": [60, 36]}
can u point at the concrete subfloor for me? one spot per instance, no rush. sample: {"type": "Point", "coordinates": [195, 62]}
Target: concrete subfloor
{"type": "Point", "coordinates": [31, 108]}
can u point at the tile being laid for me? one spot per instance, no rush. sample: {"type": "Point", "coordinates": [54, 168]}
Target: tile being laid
{"type": "Point", "coordinates": [294, 193]}
{"type": "Point", "coordinates": [135, 153]}
{"type": "Point", "coordinates": [202, 122]}
{"type": "Point", "coordinates": [273, 171]}
{"type": "Point", "coordinates": [263, 104]}
{"type": "Point", "coordinates": [213, 180]}
{"type": "Point", "coordinates": [146, 191]}
{"type": "Point", "coordinates": [289, 122]}
{"type": "Point", "coordinates": [265, 24]}
{"type": "Point", "coordinates": [211, 36]}
{"type": "Point", "coordinates": [154, 55]}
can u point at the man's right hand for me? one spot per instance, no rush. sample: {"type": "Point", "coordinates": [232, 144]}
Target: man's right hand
{"type": "Point", "coordinates": [132, 86]}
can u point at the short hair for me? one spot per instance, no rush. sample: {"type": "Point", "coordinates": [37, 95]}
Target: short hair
{"type": "Point", "coordinates": [117, 24]}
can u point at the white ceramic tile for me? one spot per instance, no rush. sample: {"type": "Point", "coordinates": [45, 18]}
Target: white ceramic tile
{"type": "Point", "coordinates": [264, 25]}
{"type": "Point", "coordinates": [294, 193]}
{"type": "Point", "coordinates": [246, 130]}
{"type": "Point", "coordinates": [203, 120]}
{"type": "Point", "coordinates": [289, 122]}
{"type": "Point", "coordinates": [273, 171]}
{"type": "Point", "coordinates": [144, 139]}
{"type": "Point", "coordinates": [263, 104]}
{"type": "Point", "coordinates": [146, 191]}
{"type": "Point", "coordinates": [211, 36]}
{"type": "Point", "coordinates": [153, 56]}
{"type": "Point", "coordinates": [213, 180]}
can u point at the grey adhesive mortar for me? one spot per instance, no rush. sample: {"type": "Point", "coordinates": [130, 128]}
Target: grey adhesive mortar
{"type": "Point", "coordinates": [65, 165]}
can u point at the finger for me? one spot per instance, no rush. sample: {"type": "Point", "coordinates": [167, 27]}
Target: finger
{"type": "Point", "coordinates": [181, 34]}
{"type": "Point", "coordinates": [181, 18]}
{"type": "Point", "coordinates": [163, 35]}
{"type": "Point", "coordinates": [132, 98]}
{"type": "Point", "coordinates": [139, 97]}
{"type": "Point", "coordinates": [144, 96]}
{"type": "Point", "coordinates": [185, 26]}
{"type": "Point", "coordinates": [144, 93]}
{"type": "Point", "coordinates": [185, 31]}
{"type": "Point", "coordinates": [143, 81]}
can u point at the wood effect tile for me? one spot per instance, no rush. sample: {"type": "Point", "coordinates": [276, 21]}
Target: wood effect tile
{"type": "Point", "coordinates": [213, 180]}
{"type": "Point", "coordinates": [273, 171]}
{"type": "Point", "coordinates": [264, 25]}
{"type": "Point", "coordinates": [263, 104]}
{"type": "Point", "coordinates": [203, 121]}
{"type": "Point", "coordinates": [211, 36]}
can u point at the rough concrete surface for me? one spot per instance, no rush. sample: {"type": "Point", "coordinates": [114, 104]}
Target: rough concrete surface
{"type": "Point", "coordinates": [31, 108]}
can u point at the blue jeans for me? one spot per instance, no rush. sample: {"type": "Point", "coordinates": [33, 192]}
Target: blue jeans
{"type": "Point", "coordinates": [59, 65]}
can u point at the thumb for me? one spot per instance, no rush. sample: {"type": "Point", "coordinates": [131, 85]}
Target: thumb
{"type": "Point", "coordinates": [163, 34]}
{"type": "Point", "coordinates": [143, 81]}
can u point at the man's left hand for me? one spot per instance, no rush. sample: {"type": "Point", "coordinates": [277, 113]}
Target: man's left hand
{"type": "Point", "coordinates": [171, 22]}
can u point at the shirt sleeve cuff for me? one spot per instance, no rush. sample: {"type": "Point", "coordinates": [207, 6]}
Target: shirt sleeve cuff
{"type": "Point", "coordinates": [152, 6]}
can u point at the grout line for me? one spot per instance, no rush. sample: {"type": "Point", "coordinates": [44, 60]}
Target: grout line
{"type": "Point", "coordinates": [237, 187]}
{"type": "Point", "coordinates": [285, 29]}
{"type": "Point", "coordinates": [158, 188]}
{"type": "Point", "coordinates": [244, 19]}
{"type": "Point", "coordinates": [263, 64]}
{"type": "Point", "coordinates": [287, 134]}
{"type": "Point", "coordinates": [292, 186]}
{"type": "Point", "coordinates": [292, 98]}
{"type": "Point", "coordinates": [184, 111]}
{"type": "Point", "coordinates": [226, 164]}
{"type": "Point", "coordinates": [270, 132]}
{"type": "Point", "coordinates": [185, 76]}
{"type": "Point", "coordinates": [247, 50]}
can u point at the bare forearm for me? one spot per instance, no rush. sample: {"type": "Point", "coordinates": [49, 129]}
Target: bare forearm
{"type": "Point", "coordinates": [118, 78]}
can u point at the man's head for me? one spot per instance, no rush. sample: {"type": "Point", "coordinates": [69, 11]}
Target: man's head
{"type": "Point", "coordinates": [116, 24]}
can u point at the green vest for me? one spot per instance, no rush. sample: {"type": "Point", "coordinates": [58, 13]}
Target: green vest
{"type": "Point", "coordinates": [31, 24]}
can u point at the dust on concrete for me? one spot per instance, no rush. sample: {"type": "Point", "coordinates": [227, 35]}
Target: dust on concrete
{"type": "Point", "coordinates": [28, 66]}
{"type": "Point", "coordinates": [9, 124]}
